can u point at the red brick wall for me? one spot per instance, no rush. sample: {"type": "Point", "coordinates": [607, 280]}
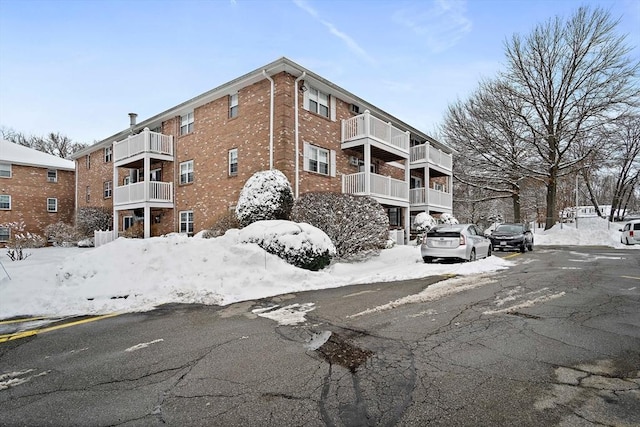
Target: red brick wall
{"type": "Point", "coordinates": [29, 190]}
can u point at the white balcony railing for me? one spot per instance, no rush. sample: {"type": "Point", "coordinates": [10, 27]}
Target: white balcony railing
{"type": "Point", "coordinates": [156, 191]}
{"type": "Point", "coordinates": [367, 126]}
{"type": "Point", "coordinates": [420, 196]}
{"type": "Point", "coordinates": [437, 157]}
{"type": "Point", "coordinates": [144, 142]}
{"type": "Point", "coordinates": [383, 186]}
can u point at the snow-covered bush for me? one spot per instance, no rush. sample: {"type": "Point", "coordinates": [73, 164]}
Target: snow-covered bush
{"type": "Point", "coordinates": [424, 222]}
{"type": "Point", "coordinates": [355, 224]}
{"type": "Point", "coordinates": [266, 195]}
{"type": "Point", "coordinates": [92, 218]}
{"type": "Point", "coordinates": [446, 218]}
{"type": "Point", "coordinates": [20, 239]}
{"type": "Point", "coordinates": [302, 245]}
{"type": "Point", "coordinates": [220, 226]}
{"type": "Point", "coordinates": [61, 234]}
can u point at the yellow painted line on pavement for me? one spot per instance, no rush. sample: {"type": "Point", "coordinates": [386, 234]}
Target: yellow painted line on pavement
{"type": "Point", "coordinates": [631, 277]}
{"type": "Point", "coordinates": [25, 319]}
{"type": "Point", "coordinates": [512, 255]}
{"type": "Point", "coordinates": [24, 334]}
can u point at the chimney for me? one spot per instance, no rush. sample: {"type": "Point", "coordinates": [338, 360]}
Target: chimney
{"type": "Point", "coordinates": [132, 122]}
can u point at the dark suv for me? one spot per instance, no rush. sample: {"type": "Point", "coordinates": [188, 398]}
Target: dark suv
{"type": "Point", "coordinates": [512, 236]}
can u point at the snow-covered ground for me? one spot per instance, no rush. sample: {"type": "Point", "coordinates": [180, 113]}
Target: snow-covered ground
{"type": "Point", "coordinates": [137, 275]}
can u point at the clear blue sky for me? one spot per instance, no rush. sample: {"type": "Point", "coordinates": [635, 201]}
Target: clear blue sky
{"type": "Point", "coordinates": [78, 67]}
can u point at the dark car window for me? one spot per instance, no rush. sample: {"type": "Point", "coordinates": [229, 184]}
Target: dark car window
{"type": "Point", "coordinates": [636, 226]}
{"type": "Point", "coordinates": [509, 229]}
{"type": "Point", "coordinates": [443, 232]}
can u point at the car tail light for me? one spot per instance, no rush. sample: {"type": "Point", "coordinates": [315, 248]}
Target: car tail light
{"type": "Point", "coordinates": [462, 240]}
{"type": "Point", "coordinates": [631, 233]}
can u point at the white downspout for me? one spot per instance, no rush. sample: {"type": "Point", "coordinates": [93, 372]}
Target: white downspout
{"type": "Point", "coordinates": [295, 90]}
{"type": "Point", "coordinates": [264, 72]}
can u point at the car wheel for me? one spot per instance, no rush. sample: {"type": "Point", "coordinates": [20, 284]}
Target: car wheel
{"type": "Point", "coordinates": [427, 259]}
{"type": "Point", "coordinates": [523, 248]}
{"type": "Point", "coordinates": [472, 255]}
{"type": "Point", "coordinates": [489, 251]}
{"type": "Point", "coordinates": [627, 239]}
{"type": "Point", "coordinates": [530, 247]}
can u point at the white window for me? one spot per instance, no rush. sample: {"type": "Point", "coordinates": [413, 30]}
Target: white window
{"type": "Point", "coordinates": [186, 172]}
{"type": "Point", "coordinates": [5, 202]}
{"type": "Point", "coordinates": [415, 182]}
{"type": "Point", "coordinates": [126, 180]}
{"type": "Point", "coordinates": [233, 105]}
{"type": "Point", "coordinates": [155, 175]}
{"type": "Point", "coordinates": [186, 123]}
{"type": "Point", "coordinates": [233, 162]}
{"type": "Point", "coordinates": [373, 167]}
{"type": "Point", "coordinates": [5, 170]}
{"type": "Point", "coordinates": [127, 222]}
{"type": "Point", "coordinates": [107, 189]}
{"type": "Point", "coordinates": [319, 160]}
{"type": "Point", "coordinates": [108, 154]}
{"type": "Point", "coordinates": [438, 186]}
{"type": "Point", "coordinates": [186, 222]}
{"type": "Point", "coordinates": [5, 234]}
{"type": "Point", "coordinates": [52, 175]}
{"type": "Point", "coordinates": [318, 102]}
{"type": "Point", "coordinates": [52, 205]}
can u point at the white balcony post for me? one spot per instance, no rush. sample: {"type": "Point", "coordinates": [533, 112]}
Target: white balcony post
{"type": "Point", "coordinates": [147, 221]}
{"type": "Point", "coordinates": [367, 123]}
{"type": "Point", "coordinates": [114, 186]}
{"type": "Point", "coordinates": [147, 140]}
{"type": "Point", "coordinates": [367, 167]}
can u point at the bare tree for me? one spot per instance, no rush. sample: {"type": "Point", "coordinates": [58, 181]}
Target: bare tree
{"type": "Point", "coordinates": [53, 143]}
{"type": "Point", "coordinates": [626, 162]}
{"type": "Point", "coordinates": [571, 77]}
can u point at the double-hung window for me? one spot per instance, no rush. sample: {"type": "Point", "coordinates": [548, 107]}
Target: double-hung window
{"type": "Point", "coordinates": [186, 123]}
{"type": "Point", "coordinates": [52, 204]}
{"type": "Point", "coordinates": [186, 172]}
{"type": "Point", "coordinates": [317, 159]}
{"type": "Point", "coordinates": [108, 154]}
{"type": "Point", "coordinates": [318, 102]}
{"type": "Point", "coordinates": [107, 189]}
{"type": "Point", "coordinates": [5, 170]}
{"type": "Point", "coordinates": [186, 222]}
{"type": "Point", "coordinates": [5, 202]}
{"type": "Point", "coordinates": [233, 105]}
{"type": "Point", "coordinates": [5, 234]}
{"type": "Point", "coordinates": [233, 162]}
{"type": "Point", "coordinates": [52, 175]}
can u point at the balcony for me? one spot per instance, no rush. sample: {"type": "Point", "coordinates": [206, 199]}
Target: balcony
{"type": "Point", "coordinates": [380, 186]}
{"type": "Point", "coordinates": [430, 197]}
{"type": "Point", "coordinates": [154, 192]}
{"type": "Point", "coordinates": [383, 137]}
{"type": "Point", "coordinates": [145, 142]}
{"type": "Point", "coordinates": [435, 157]}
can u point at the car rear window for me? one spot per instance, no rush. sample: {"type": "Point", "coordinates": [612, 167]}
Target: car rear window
{"type": "Point", "coordinates": [510, 228]}
{"type": "Point", "coordinates": [636, 226]}
{"type": "Point", "coordinates": [447, 232]}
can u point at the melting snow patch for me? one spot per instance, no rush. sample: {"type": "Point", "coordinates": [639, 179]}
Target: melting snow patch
{"type": "Point", "coordinates": [13, 379]}
{"type": "Point", "coordinates": [289, 315]}
{"type": "Point", "coordinates": [526, 304]}
{"type": "Point", "coordinates": [143, 345]}
{"type": "Point", "coordinates": [317, 340]}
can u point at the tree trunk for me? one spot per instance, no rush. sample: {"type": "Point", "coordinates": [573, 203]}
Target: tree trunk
{"type": "Point", "coordinates": [552, 187]}
{"type": "Point", "coordinates": [515, 197]}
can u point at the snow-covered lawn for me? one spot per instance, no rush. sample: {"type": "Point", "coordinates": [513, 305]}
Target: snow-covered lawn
{"type": "Point", "coordinates": [137, 275]}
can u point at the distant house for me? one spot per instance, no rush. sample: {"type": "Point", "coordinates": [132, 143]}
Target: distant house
{"type": "Point", "coordinates": [183, 168]}
{"type": "Point", "coordinates": [35, 187]}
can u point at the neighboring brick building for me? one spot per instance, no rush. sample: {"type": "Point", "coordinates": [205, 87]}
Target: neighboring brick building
{"type": "Point", "coordinates": [35, 187]}
{"type": "Point", "coordinates": [183, 168]}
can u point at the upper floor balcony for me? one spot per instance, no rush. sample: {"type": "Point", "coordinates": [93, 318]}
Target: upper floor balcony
{"type": "Point", "coordinates": [426, 153]}
{"type": "Point", "coordinates": [387, 141]}
{"type": "Point", "coordinates": [158, 193]}
{"type": "Point", "coordinates": [384, 188]}
{"type": "Point", "coordinates": [146, 142]}
{"type": "Point", "coordinates": [432, 198]}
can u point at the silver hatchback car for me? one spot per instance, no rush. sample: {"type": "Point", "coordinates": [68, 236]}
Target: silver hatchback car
{"type": "Point", "coordinates": [455, 241]}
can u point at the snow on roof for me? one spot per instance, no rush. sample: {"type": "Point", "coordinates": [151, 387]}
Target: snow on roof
{"type": "Point", "coordinates": [20, 155]}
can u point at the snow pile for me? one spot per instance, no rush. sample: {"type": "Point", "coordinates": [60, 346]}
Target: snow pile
{"type": "Point", "coordinates": [266, 195]}
{"type": "Point", "coordinates": [589, 232]}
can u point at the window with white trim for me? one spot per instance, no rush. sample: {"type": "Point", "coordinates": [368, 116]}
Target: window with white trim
{"type": "Point", "coordinates": [5, 202]}
{"type": "Point", "coordinates": [126, 180]}
{"type": "Point", "coordinates": [5, 234]}
{"type": "Point", "coordinates": [5, 170]}
{"type": "Point", "coordinates": [127, 221]}
{"type": "Point", "coordinates": [233, 162]}
{"type": "Point", "coordinates": [155, 175]}
{"type": "Point", "coordinates": [108, 154]}
{"type": "Point", "coordinates": [107, 189]}
{"type": "Point", "coordinates": [52, 204]}
{"type": "Point", "coordinates": [186, 222]}
{"type": "Point", "coordinates": [186, 172]}
{"type": "Point", "coordinates": [318, 102]}
{"type": "Point", "coordinates": [186, 123]}
{"type": "Point", "coordinates": [316, 159]}
{"type": "Point", "coordinates": [52, 175]}
{"type": "Point", "coordinates": [233, 105]}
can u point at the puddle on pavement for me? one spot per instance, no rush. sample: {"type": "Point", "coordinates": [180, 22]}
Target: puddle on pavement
{"type": "Point", "coordinates": [336, 350]}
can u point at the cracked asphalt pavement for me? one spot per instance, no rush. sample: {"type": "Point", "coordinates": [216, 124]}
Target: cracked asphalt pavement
{"type": "Point", "coordinates": [554, 340]}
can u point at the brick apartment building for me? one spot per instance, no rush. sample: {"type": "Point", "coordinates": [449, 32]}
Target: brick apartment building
{"type": "Point", "coordinates": [35, 187]}
{"type": "Point", "coordinates": [181, 169]}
